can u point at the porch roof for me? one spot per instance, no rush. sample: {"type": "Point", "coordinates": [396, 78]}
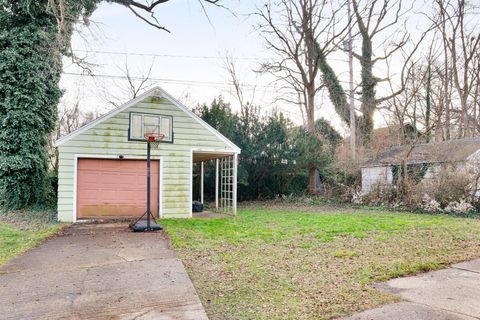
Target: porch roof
{"type": "Point", "coordinates": [435, 152]}
{"type": "Point", "coordinates": [205, 156]}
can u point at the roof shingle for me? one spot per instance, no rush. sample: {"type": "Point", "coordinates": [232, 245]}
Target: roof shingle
{"type": "Point", "coordinates": [445, 151]}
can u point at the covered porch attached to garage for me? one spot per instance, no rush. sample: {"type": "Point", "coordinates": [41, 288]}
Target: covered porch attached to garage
{"type": "Point", "coordinates": [224, 168]}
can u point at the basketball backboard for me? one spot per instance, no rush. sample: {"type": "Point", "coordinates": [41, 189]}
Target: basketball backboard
{"type": "Point", "coordinates": [143, 123]}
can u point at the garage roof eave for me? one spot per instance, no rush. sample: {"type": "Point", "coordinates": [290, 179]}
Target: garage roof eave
{"type": "Point", "coordinates": [104, 117]}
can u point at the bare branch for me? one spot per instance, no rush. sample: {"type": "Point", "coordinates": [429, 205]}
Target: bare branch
{"type": "Point", "coordinates": [147, 21]}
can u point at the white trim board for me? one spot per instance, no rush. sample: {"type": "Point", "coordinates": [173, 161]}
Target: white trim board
{"type": "Point", "coordinates": [177, 103]}
{"type": "Point", "coordinates": [156, 91]}
{"type": "Point", "coordinates": [191, 183]}
{"type": "Point", "coordinates": [113, 157]}
{"type": "Point", "coordinates": [160, 188]}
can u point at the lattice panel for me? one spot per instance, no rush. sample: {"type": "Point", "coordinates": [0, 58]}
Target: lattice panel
{"type": "Point", "coordinates": [227, 172]}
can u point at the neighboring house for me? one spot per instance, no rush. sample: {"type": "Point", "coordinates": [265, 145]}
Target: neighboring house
{"type": "Point", "coordinates": [382, 139]}
{"type": "Point", "coordinates": [102, 166]}
{"type": "Point", "coordinates": [424, 160]}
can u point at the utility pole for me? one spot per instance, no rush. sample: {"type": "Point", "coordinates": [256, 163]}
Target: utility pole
{"type": "Point", "coordinates": [353, 136]}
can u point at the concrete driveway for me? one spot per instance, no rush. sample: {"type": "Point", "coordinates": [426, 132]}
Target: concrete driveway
{"type": "Point", "coordinates": [99, 271]}
{"type": "Point", "coordinates": [448, 294]}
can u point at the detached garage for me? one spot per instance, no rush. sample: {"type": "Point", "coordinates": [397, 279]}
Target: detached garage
{"type": "Point", "coordinates": [102, 166]}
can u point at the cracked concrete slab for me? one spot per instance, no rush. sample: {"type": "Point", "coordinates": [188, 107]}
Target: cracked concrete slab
{"type": "Point", "coordinates": [451, 293]}
{"type": "Point", "coordinates": [100, 271]}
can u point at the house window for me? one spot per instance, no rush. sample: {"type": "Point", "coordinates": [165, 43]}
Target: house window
{"type": "Point", "coordinates": [141, 123]}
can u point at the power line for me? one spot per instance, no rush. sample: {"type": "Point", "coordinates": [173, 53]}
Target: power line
{"type": "Point", "coordinates": [180, 81]}
{"type": "Point", "coordinates": [167, 55]}
{"type": "Point", "coordinates": [145, 54]}
{"type": "Point", "coordinates": [221, 85]}
{"type": "Point", "coordinates": [211, 84]}
{"type": "Point", "coordinates": [175, 81]}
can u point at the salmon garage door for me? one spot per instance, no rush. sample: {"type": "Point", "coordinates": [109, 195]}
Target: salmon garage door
{"type": "Point", "coordinates": [115, 188]}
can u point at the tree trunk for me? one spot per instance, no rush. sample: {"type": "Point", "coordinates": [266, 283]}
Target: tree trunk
{"type": "Point", "coordinates": [428, 103]}
{"type": "Point", "coordinates": [312, 186]}
{"type": "Point", "coordinates": [368, 89]}
{"type": "Point", "coordinates": [312, 183]}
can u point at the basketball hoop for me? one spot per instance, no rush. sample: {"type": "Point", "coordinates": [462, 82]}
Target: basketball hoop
{"type": "Point", "coordinates": [154, 138]}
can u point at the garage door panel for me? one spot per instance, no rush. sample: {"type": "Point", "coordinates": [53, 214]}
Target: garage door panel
{"type": "Point", "coordinates": [124, 196]}
{"type": "Point", "coordinates": [89, 177]}
{"type": "Point", "coordinates": [115, 188]}
{"type": "Point", "coordinates": [90, 196]}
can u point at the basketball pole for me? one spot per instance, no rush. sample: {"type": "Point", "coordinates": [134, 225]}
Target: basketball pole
{"type": "Point", "coordinates": [148, 185]}
{"type": "Point", "coordinates": [139, 224]}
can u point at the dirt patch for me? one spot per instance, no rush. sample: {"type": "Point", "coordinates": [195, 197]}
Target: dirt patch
{"type": "Point", "coordinates": [300, 205]}
{"type": "Point", "coordinates": [210, 215]}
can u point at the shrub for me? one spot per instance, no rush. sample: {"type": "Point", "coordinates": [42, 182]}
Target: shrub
{"type": "Point", "coordinates": [447, 188]}
{"type": "Point", "coordinates": [447, 185]}
{"type": "Point", "coordinates": [51, 193]}
{"type": "Point", "coordinates": [459, 206]}
{"type": "Point", "coordinates": [381, 195]}
{"type": "Point", "coordinates": [345, 182]}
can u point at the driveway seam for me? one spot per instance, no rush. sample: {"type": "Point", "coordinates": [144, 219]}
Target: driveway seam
{"type": "Point", "coordinates": [468, 270]}
{"type": "Point", "coordinates": [442, 309]}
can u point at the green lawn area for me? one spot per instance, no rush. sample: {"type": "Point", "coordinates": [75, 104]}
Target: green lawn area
{"type": "Point", "coordinates": [15, 240]}
{"type": "Point", "coordinates": [287, 264]}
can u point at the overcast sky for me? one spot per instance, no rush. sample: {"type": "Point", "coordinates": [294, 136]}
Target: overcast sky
{"type": "Point", "coordinates": [189, 61]}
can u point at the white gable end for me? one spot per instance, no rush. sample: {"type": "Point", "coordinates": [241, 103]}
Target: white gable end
{"type": "Point", "coordinates": [154, 92]}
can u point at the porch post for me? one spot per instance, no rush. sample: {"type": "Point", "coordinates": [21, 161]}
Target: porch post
{"type": "Point", "coordinates": [201, 182]}
{"type": "Point", "coordinates": [235, 164]}
{"type": "Point", "coordinates": [216, 183]}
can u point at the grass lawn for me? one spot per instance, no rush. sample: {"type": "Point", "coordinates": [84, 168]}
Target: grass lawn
{"type": "Point", "coordinates": [287, 264]}
{"type": "Point", "coordinates": [15, 240]}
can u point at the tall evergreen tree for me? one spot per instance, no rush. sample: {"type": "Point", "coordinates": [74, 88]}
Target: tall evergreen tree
{"type": "Point", "coordinates": [275, 154]}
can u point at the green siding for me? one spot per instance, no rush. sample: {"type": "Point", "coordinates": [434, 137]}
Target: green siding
{"type": "Point", "coordinates": [111, 138]}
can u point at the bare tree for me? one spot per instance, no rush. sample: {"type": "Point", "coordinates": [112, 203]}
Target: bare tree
{"type": "Point", "coordinates": [475, 95]}
{"type": "Point", "coordinates": [462, 45]}
{"type": "Point", "coordinates": [136, 84]}
{"type": "Point", "coordinates": [293, 31]}
{"type": "Point", "coordinates": [70, 13]}
{"type": "Point", "coordinates": [127, 86]}
{"type": "Point", "coordinates": [454, 71]}
{"type": "Point", "coordinates": [418, 105]}
{"type": "Point", "coordinates": [248, 110]}
{"type": "Point", "coordinates": [139, 8]}
{"type": "Point", "coordinates": [70, 118]}
{"type": "Point", "coordinates": [376, 18]}
{"type": "Point", "coordinates": [370, 23]}
{"type": "Point", "coordinates": [402, 109]}
{"type": "Point", "coordinates": [442, 90]}
{"type": "Point", "coordinates": [231, 68]}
